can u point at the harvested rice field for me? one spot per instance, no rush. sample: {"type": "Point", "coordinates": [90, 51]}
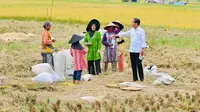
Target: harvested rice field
{"type": "Point", "coordinates": [176, 58]}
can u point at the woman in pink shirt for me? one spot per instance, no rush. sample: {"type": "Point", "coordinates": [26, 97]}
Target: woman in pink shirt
{"type": "Point", "coordinates": [78, 53]}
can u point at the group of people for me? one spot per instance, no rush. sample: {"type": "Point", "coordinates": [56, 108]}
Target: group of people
{"type": "Point", "coordinates": [93, 41]}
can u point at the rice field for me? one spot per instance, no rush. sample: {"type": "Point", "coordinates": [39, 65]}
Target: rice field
{"type": "Point", "coordinates": [81, 11]}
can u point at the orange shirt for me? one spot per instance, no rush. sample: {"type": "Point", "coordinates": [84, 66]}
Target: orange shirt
{"type": "Point", "coordinates": [46, 40]}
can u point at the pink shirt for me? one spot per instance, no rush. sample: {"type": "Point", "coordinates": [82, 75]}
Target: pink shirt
{"type": "Point", "coordinates": [79, 58]}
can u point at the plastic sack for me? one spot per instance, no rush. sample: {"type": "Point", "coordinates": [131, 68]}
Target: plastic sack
{"type": "Point", "coordinates": [163, 78]}
{"type": "Point", "coordinates": [46, 77]}
{"type": "Point", "coordinates": [43, 67]}
{"type": "Point", "coordinates": [150, 70]}
{"type": "Point", "coordinates": [63, 64]}
{"type": "Point", "coordinates": [131, 84]}
{"type": "Point", "coordinates": [86, 77]}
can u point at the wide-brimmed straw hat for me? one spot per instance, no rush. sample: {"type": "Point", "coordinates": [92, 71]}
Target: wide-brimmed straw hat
{"type": "Point", "coordinates": [110, 25]}
{"type": "Point", "coordinates": [75, 38]}
{"type": "Point", "coordinates": [93, 21]}
{"type": "Point", "coordinates": [119, 24]}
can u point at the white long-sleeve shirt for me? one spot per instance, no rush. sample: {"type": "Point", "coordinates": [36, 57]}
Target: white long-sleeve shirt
{"type": "Point", "coordinates": [137, 38]}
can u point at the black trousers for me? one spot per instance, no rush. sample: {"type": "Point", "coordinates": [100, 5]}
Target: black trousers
{"type": "Point", "coordinates": [94, 67]}
{"type": "Point", "coordinates": [136, 64]}
{"type": "Point", "coordinates": [47, 58]}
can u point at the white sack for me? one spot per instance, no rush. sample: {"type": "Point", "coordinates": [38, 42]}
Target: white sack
{"type": "Point", "coordinates": [46, 78]}
{"type": "Point", "coordinates": [131, 84]}
{"type": "Point", "coordinates": [63, 64]}
{"type": "Point", "coordinates": [163, 78]}
{"type": "Point", "coordinates": [150, 70]}
{"type": "Point", "coordinates": [86, 77]}
{"type": "Point", "coordinates": [43, 67]}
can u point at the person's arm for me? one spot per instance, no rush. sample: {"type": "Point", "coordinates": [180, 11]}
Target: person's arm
{"type": "Point", "coordinates": [116, 32]}
{"type": "Point", "coordinates": [46, 39]}
{"type": "Point", "coordinates": [83, 51]}
{"type": "Point", "coordinates": [85, 38]}
{"type": "Point", "coordinates": [143, 39]}
{"type": "Point", "coordinates": [143, 42]}
{"type": "Point", "coordinates": [124, 34]}
{"type": "Point", "coordinates": [104, 40]}
{"type": "Point", "coordinates": [71, 52]}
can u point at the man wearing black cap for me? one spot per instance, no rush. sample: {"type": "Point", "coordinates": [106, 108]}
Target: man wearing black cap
{"type": "Point", "coordinates": [47, 44]}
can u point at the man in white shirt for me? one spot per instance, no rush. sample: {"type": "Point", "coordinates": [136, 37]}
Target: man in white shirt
{"type": "Point", "coordinates": [137, 45]}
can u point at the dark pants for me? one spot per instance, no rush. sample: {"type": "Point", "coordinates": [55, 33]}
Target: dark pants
{"type": "Point", "coordinates": [47, 58]}
{"type": "Point", "coordinates": [94, 67]}
{"type": "Point", "coordinates": [77, 75]}
{"type": "Point", "coordinates": [136, 64]}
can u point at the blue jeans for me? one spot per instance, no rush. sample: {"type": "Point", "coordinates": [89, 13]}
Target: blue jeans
{"type": "Point", "coordinates": [77, 75]}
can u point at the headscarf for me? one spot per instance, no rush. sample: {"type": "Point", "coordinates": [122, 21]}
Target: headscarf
{"type": "Point", "coordinates": [77, 46]}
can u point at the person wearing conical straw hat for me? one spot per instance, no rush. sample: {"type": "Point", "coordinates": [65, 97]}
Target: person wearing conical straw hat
{"type": "Point", "coordinates": [110, 50]}
{"type": "Point", "coordinates": [78, 53]}
{"type": "Point", "coordinates": [92, 40]}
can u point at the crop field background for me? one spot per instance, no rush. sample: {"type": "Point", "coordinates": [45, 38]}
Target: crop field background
{"type": "Point", "coordinates": [81, 11]}
{"type": "Point", "coordinates": [172, 33]}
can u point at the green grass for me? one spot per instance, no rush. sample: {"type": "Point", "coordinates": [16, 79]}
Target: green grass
{"type": "Point", "coordinates": [16, 45]}
{"type": "Point", "coordinates": [181, 43]}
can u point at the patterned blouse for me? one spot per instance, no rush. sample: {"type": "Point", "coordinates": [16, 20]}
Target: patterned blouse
{"type": "Point", "coordinates": [79, 60]}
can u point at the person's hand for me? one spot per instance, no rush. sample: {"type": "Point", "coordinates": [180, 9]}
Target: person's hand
{"type": "Point", "coordinates": [55, 49]}
{"type": "Point", "coordinates": [115, 35]}
{"type": "Point", "coordinates": [87, 44]}
{"type": "Point", "coordinates": [110, 37]}
{"type": "Point", "coordinates": [142, 52]}
{"type": "Point", "coordinates": [110, 44]}
{"type": "Point", "coordinates": [53, 40]}
{"type": "Point", "coordinates": [86, 49]}
{"type": "Point", "coordinates": [99, 51]}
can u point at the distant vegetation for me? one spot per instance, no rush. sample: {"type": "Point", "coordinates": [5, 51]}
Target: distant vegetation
{"type": "Point", "coordinates": [81, 11]}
